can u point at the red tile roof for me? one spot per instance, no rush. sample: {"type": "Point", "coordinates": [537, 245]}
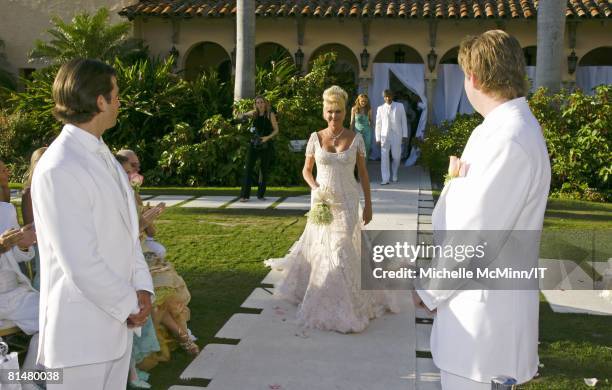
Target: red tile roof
{"type": "Point", "coordinates": [441, 9]}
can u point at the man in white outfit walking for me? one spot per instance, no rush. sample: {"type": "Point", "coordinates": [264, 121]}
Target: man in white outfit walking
{"type": "Point", "coordinates": [391, 132]}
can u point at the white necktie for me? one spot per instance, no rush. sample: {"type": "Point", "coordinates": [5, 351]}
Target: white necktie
{"type": "Point", "coordinates": [108, 158]}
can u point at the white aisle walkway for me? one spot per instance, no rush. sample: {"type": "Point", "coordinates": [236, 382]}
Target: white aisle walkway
{"type": "Point", "coordinates": [274, 354]}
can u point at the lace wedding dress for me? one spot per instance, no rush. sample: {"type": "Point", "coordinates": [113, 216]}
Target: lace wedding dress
{"type": "Point", "coordinates": [322, 272]}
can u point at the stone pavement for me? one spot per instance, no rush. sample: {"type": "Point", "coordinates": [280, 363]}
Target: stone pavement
{"type": "Point", "coordinates": [273, 353]}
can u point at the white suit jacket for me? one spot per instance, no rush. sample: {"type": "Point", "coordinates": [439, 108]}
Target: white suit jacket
{"type": "Point", "coordinates": [91, 260]}
{"type": "Point", "coordinates": [391, 118]}
{"type": "Point", "coordinates": [479, 334]}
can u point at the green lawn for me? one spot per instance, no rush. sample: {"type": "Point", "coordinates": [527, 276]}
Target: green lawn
{"type": "Point", "coordinates": [220, 252]}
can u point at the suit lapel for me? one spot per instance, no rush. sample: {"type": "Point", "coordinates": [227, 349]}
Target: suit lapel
{"type": "Point", "coordinates": [106, 181]}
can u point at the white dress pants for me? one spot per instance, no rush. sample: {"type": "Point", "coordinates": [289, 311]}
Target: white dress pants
{"type": "Point", "coordinates": [456, 382]}
{"type": "Point", "coordinates": [390, 144]}
{"type": "Point", "coordinates": [110, 375]}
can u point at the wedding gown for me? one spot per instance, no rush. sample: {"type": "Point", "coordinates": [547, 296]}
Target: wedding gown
{"type": "Point", "coordinates": [322, 272]}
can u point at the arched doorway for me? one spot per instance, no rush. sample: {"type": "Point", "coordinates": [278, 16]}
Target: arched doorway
{"type": "Point", "coordinates": [345, 73]}
{"type": "Point", "coordinates": [594, 69]}
{"type": "Point", "coordinates": [398, 54]}
{"type": "Point", "coordinates": [207, 55]}
{"type": "Point", "coordinates": [601, 56]}
{"type": "Point", "coordinates": [450, 57]}
{"type": "Point", "coordinates": [400, 68]}
{"type": "Point", "coordinates": [449, 97]}
{"type": "Point", "coordinates": [266, 53]}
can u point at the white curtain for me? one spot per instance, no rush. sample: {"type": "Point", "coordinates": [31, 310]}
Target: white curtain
{"type": "Point", "coordinates": [449, 97]}
{"type": "Point", "coordinates": [588, 77]}
{"type": "Point", "coordinates": [412, 76]}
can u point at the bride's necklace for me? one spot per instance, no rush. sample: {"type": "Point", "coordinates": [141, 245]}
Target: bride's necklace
{"type": "Point", "coordinates": [335, 137]}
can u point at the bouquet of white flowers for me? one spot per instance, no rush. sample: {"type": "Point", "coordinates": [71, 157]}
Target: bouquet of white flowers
{"type": "Point", "coordinates": [321, 211]}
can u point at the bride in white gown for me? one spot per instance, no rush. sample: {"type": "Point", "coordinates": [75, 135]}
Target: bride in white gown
{"type": "Point", "coordinates": [321, 274]}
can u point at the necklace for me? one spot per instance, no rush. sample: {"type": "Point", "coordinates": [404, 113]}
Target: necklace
{"type": "Point", "coordinates": [335, 137]}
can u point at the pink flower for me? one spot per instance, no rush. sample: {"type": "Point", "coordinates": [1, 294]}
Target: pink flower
{"type": "Point", "coordinates": [457, 167]}
{"type": "Point", "coordinates": [136, 179]}
{"type": "Point", "coordinates": [453, 166]}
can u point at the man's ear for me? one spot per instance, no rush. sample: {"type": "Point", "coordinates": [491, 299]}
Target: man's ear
{"type": "Point", "coordinates": [101, 103]}
{"type": "Point", "coordinates": [473, 81]}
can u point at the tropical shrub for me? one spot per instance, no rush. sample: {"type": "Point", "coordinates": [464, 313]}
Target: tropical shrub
{"type": "Point", "coordinates": [577, 130]}
{"type": "Point", "coordinates": [447, 139]}
{"type": "Point", "coordinates": [89, 36]}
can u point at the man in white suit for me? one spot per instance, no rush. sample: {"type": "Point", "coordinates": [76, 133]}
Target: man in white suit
{"type": "Point", "coordinates": [480, 334]}
{"type": "Point", "coordinates": [95, 286]}
{"type": "Point", "coordinates": [391, 132]}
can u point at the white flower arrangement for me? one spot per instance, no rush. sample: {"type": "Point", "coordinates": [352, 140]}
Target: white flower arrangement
{"type": "Point", "coordinates": [321, 211]}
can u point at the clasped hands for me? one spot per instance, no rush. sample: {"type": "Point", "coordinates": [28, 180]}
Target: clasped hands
{"type": "Point", "coordinates": [144, 304]}
{"type": "Point", "coordinates": [150, 214]}
{"type": "Point", "coordinates": [23, 237]}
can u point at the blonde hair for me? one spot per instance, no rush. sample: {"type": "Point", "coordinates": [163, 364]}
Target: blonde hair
{"type": "Point", "coordinates": [335, 98]}
{"type": "Point", "coordinates": [357, 106]}
{"type": "Point", "coordinates": [36, 155]}
{"type": "Point", "coordinates": [497, 61]}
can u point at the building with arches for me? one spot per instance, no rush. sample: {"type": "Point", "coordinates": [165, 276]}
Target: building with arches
{"type": "Point", "coordinates": [366, 32]}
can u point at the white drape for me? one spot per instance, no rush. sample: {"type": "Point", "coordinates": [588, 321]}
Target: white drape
{"type": "Point", "coordinates": [588, 77]}
{"type": "Point", "coordinates": [449, 96]}
{"type": "Point", "coordinates": [412, 76]}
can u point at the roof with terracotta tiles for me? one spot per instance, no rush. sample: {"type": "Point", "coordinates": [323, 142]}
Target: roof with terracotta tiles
{"type": "Point", "coordinates": [441, 9]}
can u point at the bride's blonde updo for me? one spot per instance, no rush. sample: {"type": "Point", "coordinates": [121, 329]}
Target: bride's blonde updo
{"type": "Point", "coordinates": [335, 98]}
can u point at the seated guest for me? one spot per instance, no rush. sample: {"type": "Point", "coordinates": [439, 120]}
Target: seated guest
{"type": "Point", "coordinates": [5, 192]}
{"type": "Point", "coordinates": [170, 311]}
{"type": "Point", "coordinates": [18, 299]}
{"type": "Point", "coordinates": [27, 212]}
{"type": "Point", "coordinates": [131, 164]}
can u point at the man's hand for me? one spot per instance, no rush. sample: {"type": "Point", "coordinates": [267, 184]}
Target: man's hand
{"type": "Point", "coordinates": [9, 239]}
{"type": "Point", "coordinates": [144, 303]}
{"type": "Point", "coordinates": [418, 302]}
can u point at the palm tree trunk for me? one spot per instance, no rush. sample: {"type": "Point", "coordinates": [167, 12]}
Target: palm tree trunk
{"type": "Point", "coordinates": [551, 27]}
{"type": "Point", "coordinates": [244, 85]}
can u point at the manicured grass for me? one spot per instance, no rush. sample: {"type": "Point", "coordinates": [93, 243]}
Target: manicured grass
{"type": "Point", "coordinates": [219, 254]}
{"type": "Point", "coordinates": [573, 347]}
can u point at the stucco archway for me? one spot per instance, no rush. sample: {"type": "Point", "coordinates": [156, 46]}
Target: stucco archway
{"type": "Point", "coordinates": [204, 56]}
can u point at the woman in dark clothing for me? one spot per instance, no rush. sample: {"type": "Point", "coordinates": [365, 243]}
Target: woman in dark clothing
{"type": "Point", "coordinates": [264, 128]}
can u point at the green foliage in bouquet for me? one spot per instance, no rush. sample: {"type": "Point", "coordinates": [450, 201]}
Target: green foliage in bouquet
{"type": "Point", "coordinates": [321, 214]}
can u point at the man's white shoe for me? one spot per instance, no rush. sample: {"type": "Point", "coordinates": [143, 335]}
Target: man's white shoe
{"type": "Point", "coordinates": [384, 183]}
{"type": "Point", "coordinates": [394, 180]}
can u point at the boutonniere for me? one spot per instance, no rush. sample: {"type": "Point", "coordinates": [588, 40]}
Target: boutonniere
{"type": "Point", "coordinates": [456, 168]}
{"type": "Point", "coordinates": [136, 181]}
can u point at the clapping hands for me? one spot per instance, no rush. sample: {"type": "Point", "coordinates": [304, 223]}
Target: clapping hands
{"type": "Point", "coordinates": [24, 237]}
{"type": "Point", "coordinates": [150, 214]}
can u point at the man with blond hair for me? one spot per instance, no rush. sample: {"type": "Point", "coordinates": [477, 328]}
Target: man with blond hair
{"type": "Point", "coordinates": [479, 334]}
